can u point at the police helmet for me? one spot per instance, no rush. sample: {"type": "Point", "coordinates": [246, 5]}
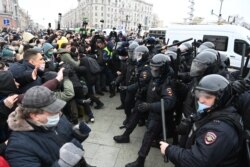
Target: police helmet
{"type": "Point", "coordinates": [185, 47]}
{"type": "Point", "coordinates": [173, 48]}
{"type": "Point", "coordinates": [206, 45]}
{"type": "Point", "coordinates": [121, 51]}
{"type": "Point", "coordinates": [159, 64]}
{"type": "Point", "coordinates": [224, 60]}
{"type": "Point", "coordinates": [131, 49]}
{"type": "Point", "coordinates": [141, 53]}
{"type": "Point", "coordinates": [216, 85]}
{"type": "Point", "coordinates": [171, 54]}
{"type": "Point", "coordinates": [150, 41]}
{"type": "Point", "coordinates": [204, 63]}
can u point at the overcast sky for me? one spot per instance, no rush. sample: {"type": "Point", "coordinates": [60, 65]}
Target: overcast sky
{"type": "Point", "coordinates": [45, 11]}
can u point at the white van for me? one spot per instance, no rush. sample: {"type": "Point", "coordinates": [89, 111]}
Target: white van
{"type": "Point", "coordinates": [228, 39]}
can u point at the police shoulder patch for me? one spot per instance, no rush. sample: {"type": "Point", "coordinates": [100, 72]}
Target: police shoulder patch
{"type": "Point", "coordinates": [210, 138]}
{"type": "Point", "coordinates": [169, 91]}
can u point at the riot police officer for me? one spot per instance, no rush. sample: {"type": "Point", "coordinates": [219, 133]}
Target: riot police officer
{"type": "Point", "coordinates": [137, 76]}
{"type": "Point", "coordinates": [160, 86]}
{"type": "Point", "coordinates": [213, 138]}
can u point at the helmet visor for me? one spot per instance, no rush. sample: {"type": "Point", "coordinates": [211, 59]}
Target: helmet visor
{"type": "Point", "coordinates": [183, 48]}
{"type": "Point", "coordinates": [197, 68]}
{"type": "Point", "coordinates": [131, 55]}
{"type": "Point", "coordinates": [138, 55]}
{"type": "Point", "coordinates": [201, 48]}
{"type": "Point", "coordinates": [155, 71]}
{"type": "Point", "coordinates": [202, 93]}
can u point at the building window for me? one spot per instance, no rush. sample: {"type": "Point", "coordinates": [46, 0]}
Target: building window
{"type": "Point", "coordinates": [102, 14]}
{"type": "Point", "coordinates": [102, 8]}
{"type": "Point", "coordinates": [96, 7]}
{"type": "Point", "coordinates": [95, 14]}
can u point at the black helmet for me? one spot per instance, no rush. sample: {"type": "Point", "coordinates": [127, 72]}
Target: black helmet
{"type": "Point", "coordinates": [131, 49]}
{"type": "Point", "coordinates": [185, 47]}
{"type": "Point", "coordinates": [121, 51]}
{"type": "Point", "coordinates": [150, 41]}
{"type": "Point", "coordinates": [206, 45]}
{"type": "Point", "coordinates": [141, 53]}
{"type": "Point", "coordinates": [204, 63]}
{"type": "Point", "coordinates": [173, 48]}
{"type": "Point", "coordinates": [216, 85]}
{"type": "Point", "coordinates": [224, 60]}
{"type": "Point", "coordinates": [159, 64]}
{"type": "Point", "coordinates": [171, 54]}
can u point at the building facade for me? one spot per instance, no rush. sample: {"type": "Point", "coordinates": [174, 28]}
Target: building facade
{"type": "Point", "coordinates": [12, 16]}
{"type": "Point", "coordinates": [122, 14]}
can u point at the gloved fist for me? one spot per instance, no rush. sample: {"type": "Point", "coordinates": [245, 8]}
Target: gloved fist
{"type": "Point", "coordinates": [143, 107]}
{"type": "Point", "coordinates": [239, 86]}
{"type": "Point", "coordinates": [70, 155]}
{"type": "Point", "coordinates": [87, 101]}
{"type": "Point", "coordinates": [123, 88]}
{"type": "Point", "coordinates": [113, 83]}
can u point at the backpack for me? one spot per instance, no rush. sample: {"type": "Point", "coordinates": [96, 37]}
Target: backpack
{"type": "Point", "coordinates": [94, 67]}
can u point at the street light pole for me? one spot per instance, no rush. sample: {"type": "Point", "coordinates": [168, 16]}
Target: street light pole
{"type": "Point", "coordinates": [219, 17]}
{"type": "Point", "coordinates": [17, 21]}
{"type": "Point", "coordinates": [126, 23]}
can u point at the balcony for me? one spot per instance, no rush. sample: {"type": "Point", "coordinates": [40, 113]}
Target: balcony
{"type": "Point", "coordinates": [6, 13]}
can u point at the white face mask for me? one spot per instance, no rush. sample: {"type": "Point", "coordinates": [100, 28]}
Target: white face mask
{"type": "Point", "coordinates": [123, 58]}
{"type": "Point", "coordinates": [52, 120]}
{"type": "Point", "coordinates": [42, 67]}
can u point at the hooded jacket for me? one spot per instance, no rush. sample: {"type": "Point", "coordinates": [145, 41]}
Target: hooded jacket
{"type": "Point", "coordinates": [30, 145]}
{"type": "Point", "coordinates": [66, 58]}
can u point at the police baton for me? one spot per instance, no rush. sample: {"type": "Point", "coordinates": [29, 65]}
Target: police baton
{"type": "Point", "coordinates": [176, 44]}
{"type": "Point", "coordinates": [164, 126]}
{"type": "Point", "coordinates": [242, 60]}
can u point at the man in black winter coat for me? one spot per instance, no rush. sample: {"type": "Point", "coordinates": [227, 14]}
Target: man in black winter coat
{"type": "Point", "coordinates": [29, 72]}
{"type": "Point", "coordinates": [41, 136]}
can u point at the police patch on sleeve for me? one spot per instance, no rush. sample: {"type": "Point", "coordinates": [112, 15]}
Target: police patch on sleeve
{"type": "Point", "coordinates": [210, 138]}
{"type": "Point", "coordinates": [169, 92]}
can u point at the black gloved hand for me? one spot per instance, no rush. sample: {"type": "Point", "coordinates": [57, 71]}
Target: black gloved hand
{"type": "Point", "coordinates": [143, 107]}
{"type": "Point", "coordinates": [239, 86]}
{"type": "Point", "coordinates": [70, 155]}
{"type": "Point", "coordinates": [123, 88]}
{"type": "Point", "coordinates": [113, 83]}
{"type": "Point", "coordinates": [184, 127]}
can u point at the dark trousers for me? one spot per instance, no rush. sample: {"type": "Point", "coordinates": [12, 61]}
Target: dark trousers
{"type": "Point", "coordinates": [122, 97]}
{"type": "Point", "coordinates": [133, 121]}
{"type": "Point", "coordinates": [129, 102]}
{"type": "Point", "coordinates": [153, 131]}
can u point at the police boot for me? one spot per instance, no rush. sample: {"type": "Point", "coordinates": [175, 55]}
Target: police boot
{"type": "Point", "coordinates": [122, 139]}
{"type": "Point", "coordinates": [120, 107]}
{"type": "Point", "coordinates": [83, 163]}
{"type": "Point", "coordinates": [138, 163]}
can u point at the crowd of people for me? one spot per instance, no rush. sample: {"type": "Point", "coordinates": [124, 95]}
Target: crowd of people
{"type": "Point", "coordinates": [49, 81]}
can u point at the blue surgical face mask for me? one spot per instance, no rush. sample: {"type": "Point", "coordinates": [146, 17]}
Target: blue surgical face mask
{"type": "Point", "coordinates": [202, 107]}
{"type": "Point", "coordinates": [52, 120]}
